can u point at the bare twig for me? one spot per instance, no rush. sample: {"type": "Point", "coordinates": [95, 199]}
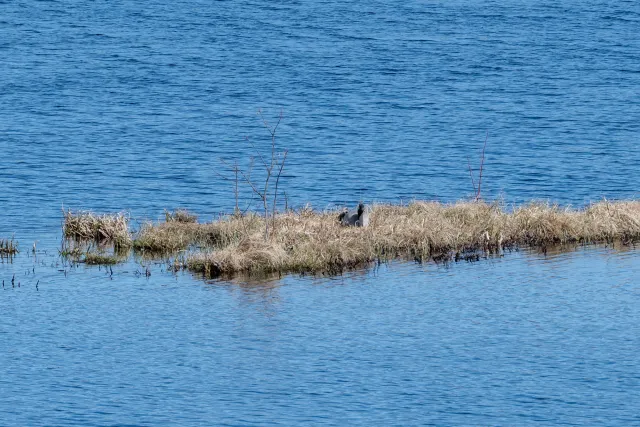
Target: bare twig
{"type": "Point", "coordinates": [473, 182]}
{"type": "Point", "coordinates": [266, 166]}
{"type": "Point", "coordinates": [481, 167]}
{"type": "Point", "coordinates": [235, 189]}
{"type": "Point", "coordinates": [235, 170]}
{"type": "Point", "coordinates": [266, 124]}
{"type": "Point", "coordinates": [245, 177]}
{"type": "Point", "coordinates": [271, 166]}
{"type": "Point", "coordinates": [275, 193]}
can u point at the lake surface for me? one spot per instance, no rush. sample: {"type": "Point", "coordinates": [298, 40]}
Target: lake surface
{"type": "Point", "coordinates": [116, 105]}
{"type": "Point", "coordinates": [519, 340]}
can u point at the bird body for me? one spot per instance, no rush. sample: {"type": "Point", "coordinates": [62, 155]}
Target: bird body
{"type": "Point", "coordinates": [358, 217]}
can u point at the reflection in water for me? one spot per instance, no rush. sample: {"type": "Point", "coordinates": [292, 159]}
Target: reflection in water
{"type": "Point", "coordinates": [524, 333]}
{"type": "Point", "coordinates": [263, 293]}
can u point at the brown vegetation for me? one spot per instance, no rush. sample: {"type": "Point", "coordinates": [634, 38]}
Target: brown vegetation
{"type": "Point", "coordinates": [312, 242]}
{"type": "Point", "coordinates": [8, 247]}
{"type": "Point", "coordinates": [273, 166]}
{"type": "Point", "coordinates": [180, 215]}
{"type": "Point", "coordinates": [172, 236]}
{"type": "Point", "coordinates": [112, 228]}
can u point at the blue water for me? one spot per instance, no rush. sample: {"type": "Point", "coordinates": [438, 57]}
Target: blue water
{"type": "Point", "coordinates": [116, 105]}
{"type": "Point", "coordinates": [519, 340]}
{"type": "Point", "coordinates": [122, 105]}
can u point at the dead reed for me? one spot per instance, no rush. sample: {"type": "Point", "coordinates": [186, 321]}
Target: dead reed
{"type": "Point", "coordinates": [177, 235]}
{"type": "Point", "coordinates": [112, 228]}
{"type": "Point", "coordinates": [180, 215]}
{"type": "Point", "coordinates": [8, 247]}
{"type": "Point", "coordinates": [311, 242]}
{"type": "Point", "coordinates": [307, 241]}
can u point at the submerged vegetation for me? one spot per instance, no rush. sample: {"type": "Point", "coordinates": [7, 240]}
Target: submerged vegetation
{"type": "Point", "coordinates": [95, 258]}
{"type": "Point", "coordinates": [82, 253]}
{"type": "Point", "coordinates": [313, 242]}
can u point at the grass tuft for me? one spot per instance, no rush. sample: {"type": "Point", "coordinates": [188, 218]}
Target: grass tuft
{"type": "Point", "coordinates": [180, 215]}
{"type": "Point", "coordinates": [112, 228]}
{"type": "Point", "coordinates": [175, 235]}
{"type": "Point", "coordinates": [8, 247]}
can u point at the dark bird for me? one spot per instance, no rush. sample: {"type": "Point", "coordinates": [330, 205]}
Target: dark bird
{"type": "Point", "coordinates": [358, 217]}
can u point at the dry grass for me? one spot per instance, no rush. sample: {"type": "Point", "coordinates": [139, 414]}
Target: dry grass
{"type": "Point", "coordinates": [310, 242]}
{"type": "Point", "coordinates": [180, 215]}
{"type": "Point", "coordinates": [112, 228]}
{"type": "Point", "coordinates": [314, 242]}
{"type": "Point", "coordinates": [8, 247]}
{"type": "Point", "coordinates": [177, 235]}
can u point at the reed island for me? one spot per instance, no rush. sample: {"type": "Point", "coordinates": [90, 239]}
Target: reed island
{"type": "Point", "coordinates": [310, 242]}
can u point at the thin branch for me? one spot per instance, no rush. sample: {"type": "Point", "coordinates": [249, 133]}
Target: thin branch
{"type": "Point", "coordinates": [219, 175]}
{"type": "Point", "coordinates": [269, 168]}
{"type": "Point", "coordinates": [275, 193]}
{"type": "Point", "coordinates": [251, 162]}
{"type": "Point", "coordinates": [266, 124]}
{"type": "Point", "coordinates": [473, 182]}
{"type": "Point", "coordinates": [235, 169]}
{"type": "Point", "coordinates": [246, 178]}
{"type": "Point", "coordinates": [273, 137]}
{"type": "Point", "coordinates": [276, 163]}
{"type": "Point", "coordinates": [224, 163]}
{"type": "Point", "coordinates": [248, 181]}
{"type": "Point", "coordinates": [266, 166]}
{"type": "Point", "coordinates": [246, 209]}
{"type": "Point", "coordinates": [229, 165]}
{"type": "Point", "coordinates": [264, 121]}
{"type": "Point", "coordinates": [235, 190]}
{"type": "Point", "coordinates": [277, 124]}
{"type": "Point", "coordinates": [482, 167]}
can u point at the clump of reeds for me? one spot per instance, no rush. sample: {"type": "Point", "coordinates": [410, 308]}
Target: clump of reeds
{"type": "Point", "coordinates": [180, 215]}
{"type": "Point", "coordinates": [177, 235]}
{"type": "Point", "coordinates": [112, 228]}
{"type": "Point", "coordinates": [8, 247]}
{"type": "Point", "coordinates": [311, 242]}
